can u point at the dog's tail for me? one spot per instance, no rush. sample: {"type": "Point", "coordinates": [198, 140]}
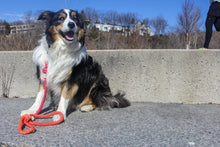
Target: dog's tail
{"type": "Point", "coordinates": [103, 98]}
{"type": "Point", "coordinates": [113, 101]}
{"type": "Point", "coordinates": [119, 101]}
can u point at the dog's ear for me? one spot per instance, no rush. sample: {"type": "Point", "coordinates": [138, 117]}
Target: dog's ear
{"type": "Point", "coordinates": [46, 16]}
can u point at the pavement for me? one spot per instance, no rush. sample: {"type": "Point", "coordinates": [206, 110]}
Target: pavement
{"type": "Point", "coordinates": [141, 124]}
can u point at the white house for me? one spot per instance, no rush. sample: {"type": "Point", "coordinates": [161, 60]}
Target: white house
{"type": "Point", "coordinates": [22, 28]}
{"type": "Point", "coordinates": [140, 27]}
{"type": "Point", "coordinates": [107, 27]}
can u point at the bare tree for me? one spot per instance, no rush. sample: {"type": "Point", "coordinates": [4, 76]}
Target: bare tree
{"type": "Point", "coordinates": [25, 39]}
{"type": "Point", "coordinates": [18, 22]}
{"type": "Point", "coordinates": [28, 18]}
{"type": "Point", "coordinates": [188, 21]}
{"type": "Point", "coordinates": [146, 21]}
{"type": "Point", "coordinates": [111, 17]}
{"type": "Point", "coordinates": [160, 24]}
{"type": "Point", "coordinates": [126, 19]}
{"type": "Point", "coordinates": [91, 14]}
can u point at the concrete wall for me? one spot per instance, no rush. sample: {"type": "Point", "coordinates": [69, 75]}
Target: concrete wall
{"type": "Point", "coordinates": [167, 76]}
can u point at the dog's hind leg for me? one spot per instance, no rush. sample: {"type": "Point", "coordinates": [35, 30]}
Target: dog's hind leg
{"type": "Point", "coordinates": [33, 109]}
{"type": "Point", "coordinates": [67, 93]}
{"type": "Point", "coordinates": [87, 104]}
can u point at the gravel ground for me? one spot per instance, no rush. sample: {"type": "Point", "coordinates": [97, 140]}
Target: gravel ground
{"type": "Point", "coordinates": [141, 124]}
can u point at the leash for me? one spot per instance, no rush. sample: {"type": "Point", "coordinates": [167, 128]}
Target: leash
{"type": "Point", "coordinates": [44, 70]}
{"type": "Point", "coordinates": [27, 118]}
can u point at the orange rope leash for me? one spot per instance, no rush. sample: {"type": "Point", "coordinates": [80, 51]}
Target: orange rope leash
{"type": "Point", "coordinates": [27, 120]}
{"type": "Point", "coordinates": [44, 70]}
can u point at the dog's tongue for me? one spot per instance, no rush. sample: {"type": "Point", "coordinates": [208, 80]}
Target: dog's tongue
{"type": "Point", "coordinates": [69, 35]}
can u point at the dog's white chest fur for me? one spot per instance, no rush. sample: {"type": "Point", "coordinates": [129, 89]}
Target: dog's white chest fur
{"type": "Point", "coordinates": [60, 57]}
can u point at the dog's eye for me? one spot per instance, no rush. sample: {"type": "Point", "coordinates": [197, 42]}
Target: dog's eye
{"type": "Point", "coordinates": [61, 18]}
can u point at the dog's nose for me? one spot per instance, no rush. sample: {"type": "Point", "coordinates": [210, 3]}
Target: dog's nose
{"type": "Point", "coordinates": [71, 25]}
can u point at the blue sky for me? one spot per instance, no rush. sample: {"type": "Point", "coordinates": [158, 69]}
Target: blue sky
{"type": "Point", "coordinates": [12, 10]}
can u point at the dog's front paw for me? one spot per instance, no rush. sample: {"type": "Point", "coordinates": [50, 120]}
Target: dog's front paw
{"type": "Point", "coordinates": [29, 111]}
{"type": "Point", "coordinates": [57, 117]}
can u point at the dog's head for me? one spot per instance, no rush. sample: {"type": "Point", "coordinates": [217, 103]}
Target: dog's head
{"type": "Point", "coordinates": [66, 25]}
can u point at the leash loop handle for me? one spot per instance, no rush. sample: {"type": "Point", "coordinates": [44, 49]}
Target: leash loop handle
{"type": "Point", "coordinates": [27, 120]}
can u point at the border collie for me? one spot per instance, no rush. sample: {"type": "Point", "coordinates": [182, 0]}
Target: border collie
{"type": "Point", "coordinates": [74, 79]}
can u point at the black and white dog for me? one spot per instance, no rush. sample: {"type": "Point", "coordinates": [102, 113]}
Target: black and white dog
{"type": "Point", "coordinates": [74, 80]}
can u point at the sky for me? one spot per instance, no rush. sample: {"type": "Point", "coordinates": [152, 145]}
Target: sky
{"type": "Point", "coordinates": [13, 10]}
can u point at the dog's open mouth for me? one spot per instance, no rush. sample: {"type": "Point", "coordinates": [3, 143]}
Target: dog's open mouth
{"type": "Point", "coordinates": [69, 36]}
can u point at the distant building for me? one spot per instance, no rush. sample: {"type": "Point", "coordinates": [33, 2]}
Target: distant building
{"type": "Point", "coordinates": [22, 28]}
{"type": "Point", "coordinates": [140, 27]}
{"type": "Point", "coordinates": [108, 27]}
{"type": "Point", "coordinates": [14, 29]}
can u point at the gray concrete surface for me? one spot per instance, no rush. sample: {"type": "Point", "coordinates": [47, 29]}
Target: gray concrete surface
{"type": "Point", "coordinates": [167, 76]}
{"type": "Point", "coordinates": [141, 124]}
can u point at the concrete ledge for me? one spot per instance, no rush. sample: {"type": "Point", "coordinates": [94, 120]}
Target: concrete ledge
{"type": "Point", "coordinates": [167, 76]}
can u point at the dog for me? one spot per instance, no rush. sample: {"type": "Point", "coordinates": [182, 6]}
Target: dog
{"type": "Point", "coordinates": [74, 79]}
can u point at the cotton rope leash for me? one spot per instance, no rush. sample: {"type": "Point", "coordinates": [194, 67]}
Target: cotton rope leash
{"type": "Point", "coordinates": [27, 118]}
{"type": "Point", "coordinates": [44, 70]}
